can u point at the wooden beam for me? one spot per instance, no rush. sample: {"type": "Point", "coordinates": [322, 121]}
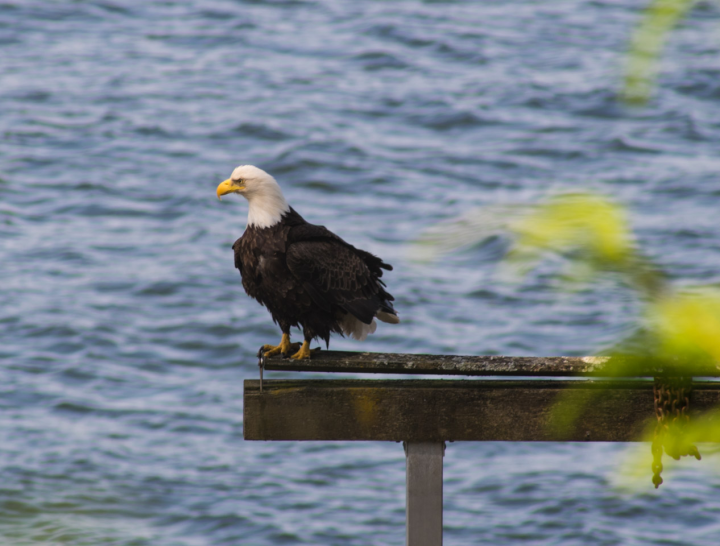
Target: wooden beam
{"type": "Point", "coordinates": [470, 410]}
{"type": "Point", "coordinates": [557, 366]}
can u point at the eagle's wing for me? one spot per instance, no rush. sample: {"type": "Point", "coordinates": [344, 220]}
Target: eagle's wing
{"type": "Point", "coordinates": [238, 256]}
{"type": "Point", "coordinates": [336, 274]}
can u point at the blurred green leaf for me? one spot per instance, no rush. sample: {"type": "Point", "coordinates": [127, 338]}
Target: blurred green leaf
{"type": "Point", "coordinates": [592, 233]}
{"type": "Point", "coordinates": [687, 325]}
{"type": "Point", "coordinates": [577, 221]}
{"type": "Point", "coordinates": [646, 45]}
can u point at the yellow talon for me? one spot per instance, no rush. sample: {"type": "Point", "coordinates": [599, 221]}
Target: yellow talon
{"type": "Point", "coordinates": [304, 352]}
{"type": "Point", "coordinates": [284, 347]}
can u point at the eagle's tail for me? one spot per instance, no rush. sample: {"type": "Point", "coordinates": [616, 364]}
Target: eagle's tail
{"type": "Point", "coordinates": [355, 328]}
{"type": "Point", "coordinates": [390, 318]}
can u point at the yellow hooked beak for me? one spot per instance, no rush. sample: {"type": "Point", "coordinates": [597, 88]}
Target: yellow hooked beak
{"type": "Point", "coordinates": [228, 186]}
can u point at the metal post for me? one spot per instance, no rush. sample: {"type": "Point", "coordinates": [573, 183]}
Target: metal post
{"type": "Point", "coordinates": [424, 511]}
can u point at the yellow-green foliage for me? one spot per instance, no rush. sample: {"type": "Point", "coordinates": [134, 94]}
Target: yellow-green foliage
{"type": "Point", "coordinates": [681, 328]}
{"type": "Point", "coordinates": [593, 232]}
{"type": "Point", "coordinates": [577, 221]}
{"type": "Point", "coordinates": [647, 43]}
{"type": "Point", "coordinates": [584, 222]}
{"type": "Point", "coordinates": [687, 325]}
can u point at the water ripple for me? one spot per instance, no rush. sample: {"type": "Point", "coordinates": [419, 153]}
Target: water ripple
{"type": "Point", "coordinates": [125, 332]}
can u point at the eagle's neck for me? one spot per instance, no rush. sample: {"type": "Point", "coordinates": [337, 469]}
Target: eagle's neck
{"type": "Point", "coordinates": [267, 207]}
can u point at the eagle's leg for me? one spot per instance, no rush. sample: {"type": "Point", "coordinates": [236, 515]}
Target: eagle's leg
{"type": "Point", "coordinates": [305, 351]}
{"type": "Point", "coordinates": [285, 347]}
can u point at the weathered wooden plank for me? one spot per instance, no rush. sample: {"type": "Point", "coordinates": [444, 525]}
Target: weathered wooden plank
{"type": "Point", "coordinates": [557, 366]}
{"type": "Point", "coordinates": [438, 410]}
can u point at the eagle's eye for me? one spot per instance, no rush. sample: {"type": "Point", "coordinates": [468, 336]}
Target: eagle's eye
{"type": "Point", "coordinates": [238, 181]}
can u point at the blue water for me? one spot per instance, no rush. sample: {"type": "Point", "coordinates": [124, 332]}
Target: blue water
{"type": "Point", "coordinates": [124, 331]}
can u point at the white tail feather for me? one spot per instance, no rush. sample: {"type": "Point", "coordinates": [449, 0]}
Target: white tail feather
{"type": "Point", "coordinates": [355, 328]}
{"type": "Point", "coordinates": [388, 317]}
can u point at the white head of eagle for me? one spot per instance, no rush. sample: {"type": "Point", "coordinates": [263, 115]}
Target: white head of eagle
{"type": "Point", "coordinates": [265, 198]}
{"type": "Point", "coordinates": [304, 274]}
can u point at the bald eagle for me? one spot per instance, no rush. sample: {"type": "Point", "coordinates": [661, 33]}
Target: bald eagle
{"type": "Point", "coordinates": [304, 274]}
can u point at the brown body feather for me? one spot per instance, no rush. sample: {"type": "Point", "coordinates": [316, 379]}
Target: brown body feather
{"type": "Point", "coordinates": [309, 277]}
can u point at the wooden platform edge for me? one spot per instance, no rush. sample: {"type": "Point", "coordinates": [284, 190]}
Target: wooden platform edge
{"type": "Point", "coordinates": [508, 366]}
{"type": "Point", "coordinates": [462, 410]}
